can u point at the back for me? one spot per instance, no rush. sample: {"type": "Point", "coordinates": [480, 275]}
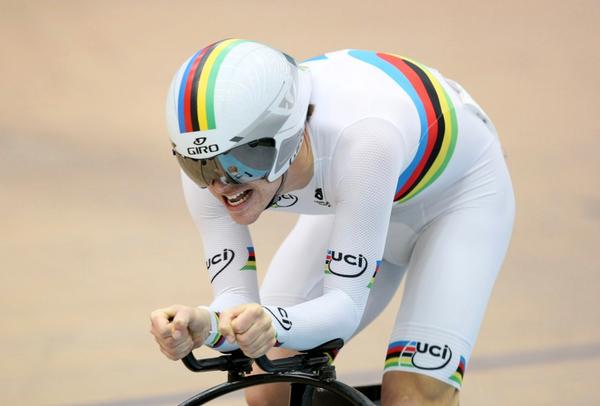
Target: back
{"type": "Point", "coordinates": [352, 85]}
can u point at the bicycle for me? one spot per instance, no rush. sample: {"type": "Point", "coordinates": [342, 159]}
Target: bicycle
{"type": "Point", "coordinates": [311, 374]}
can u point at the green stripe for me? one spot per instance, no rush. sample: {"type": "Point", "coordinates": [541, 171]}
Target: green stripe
{"type": "Point", "coordinates": [390, 363]}
{"type": "Point", "coordinates": [212, 79]}
{"type": "Point", "coordinates": [456, 379]}
{"type": "Point", "coordinates": [249, 267]}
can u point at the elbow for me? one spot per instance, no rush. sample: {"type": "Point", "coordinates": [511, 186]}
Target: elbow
{"type": "Point", "coordinates": [349, 315]}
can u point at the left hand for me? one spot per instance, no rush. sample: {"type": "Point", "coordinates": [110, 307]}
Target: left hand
{"type": "Point", "coordinates": [250, 326]}
{"type": "Point", "coordinates": [179, 329]}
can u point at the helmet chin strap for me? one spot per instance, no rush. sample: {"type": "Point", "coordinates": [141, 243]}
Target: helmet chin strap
{"type": "Point", "coordinates": [284, 176]}
{"type": "Point", "coordinates": [277, 192]}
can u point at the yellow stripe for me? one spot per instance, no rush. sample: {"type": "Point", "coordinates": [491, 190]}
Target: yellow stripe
{"type": "Point", "coordinates": [392, 362]}
{"type": "Point", "coordinates": [445, 107]}
{"type": "Point", "coordinates": [203, 83]}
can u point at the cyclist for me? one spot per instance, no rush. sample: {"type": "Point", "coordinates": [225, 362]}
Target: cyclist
{"type": "Point", "coordinates": [394, 170]}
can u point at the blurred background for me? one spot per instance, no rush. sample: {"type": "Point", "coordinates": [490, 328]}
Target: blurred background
{"type": "Point", "coordinates": [96, 233]}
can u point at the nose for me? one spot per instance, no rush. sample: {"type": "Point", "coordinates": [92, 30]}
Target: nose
{"type": "Point", "coordinates": [220, 180]}
{"type": "Point", "coordinates": [219, 183]}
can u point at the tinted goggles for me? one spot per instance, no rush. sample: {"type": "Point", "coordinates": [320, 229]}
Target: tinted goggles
{"type": "Point", "coordinates": [243, 164]}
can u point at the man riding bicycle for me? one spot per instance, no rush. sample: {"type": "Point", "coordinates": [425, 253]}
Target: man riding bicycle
{"type": "Point", "coordinates": [393, 169]}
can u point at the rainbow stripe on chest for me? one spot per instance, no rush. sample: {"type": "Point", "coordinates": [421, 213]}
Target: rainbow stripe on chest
{"type": "Point", "coordinates": [437, 118]}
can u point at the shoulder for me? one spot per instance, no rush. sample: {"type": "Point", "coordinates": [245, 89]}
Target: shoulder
{"type": "Point", "coordinates": [370, 146]}
{"type": "Point", "coordinates": [370, 135]}
{"type": "Point", "coordinates": [346, 90]}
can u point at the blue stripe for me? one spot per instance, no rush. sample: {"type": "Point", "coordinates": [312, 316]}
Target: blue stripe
{"type": "Point", "coordinates": [372, 58]}
{"type": "Point", "coordinates": [182, 85]}
{"type": "Point", "coordinates": [395, 343]}
{"type": "Point", "coordinates": [315, 58]}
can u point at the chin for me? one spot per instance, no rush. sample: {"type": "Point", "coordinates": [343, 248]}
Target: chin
{"type": "Point", "coordinates": [246, 204]}
{"type": "Point", "coordinates": [250, 213]}
{"type": "Point", "coordinates": [244, 219]}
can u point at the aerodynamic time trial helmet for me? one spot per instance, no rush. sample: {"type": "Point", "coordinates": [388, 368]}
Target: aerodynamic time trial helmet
{"type": "Point", "coordinates": [236, 111]}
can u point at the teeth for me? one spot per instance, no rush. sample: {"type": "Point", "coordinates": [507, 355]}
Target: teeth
{"type": "Point", "coordinates": [233, 197]}
{"type": "Point", "coordinates": [238, 198]}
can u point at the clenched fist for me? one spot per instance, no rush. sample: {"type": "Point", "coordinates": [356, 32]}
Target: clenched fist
{"type": "Point", "coordinates": [179, 329]}
{"type": "Point", "coordinates": [250, 326]}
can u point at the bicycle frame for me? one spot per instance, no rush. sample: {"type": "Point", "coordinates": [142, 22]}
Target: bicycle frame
{"type": "Point", "coordinates": [346, 392]}
{"type": "Point", "coordinates": [305, 372]}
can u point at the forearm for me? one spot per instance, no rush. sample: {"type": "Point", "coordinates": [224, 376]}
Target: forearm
{"type": "Point", "coordinates": [310, 324]}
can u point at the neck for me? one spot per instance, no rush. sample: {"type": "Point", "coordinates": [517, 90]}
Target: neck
{"type": "Point", "coordinates": [301, 171]}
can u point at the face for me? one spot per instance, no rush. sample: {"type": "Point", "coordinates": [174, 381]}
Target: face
{"type": "Point", "coordinates": [245, 202]}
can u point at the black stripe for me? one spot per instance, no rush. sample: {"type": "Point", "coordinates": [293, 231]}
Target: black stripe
{"type": "Point", "coordinates": [441, 124]}
{"type": "Point", "coordinates": [399, 353]}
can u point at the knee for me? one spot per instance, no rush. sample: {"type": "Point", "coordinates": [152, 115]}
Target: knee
{"type": "Point", "coordinates": [407, 389]}
{"type": "Point", "coordinates": [268, 395]}
{"type": "Point", "coordinates": [273, 394]}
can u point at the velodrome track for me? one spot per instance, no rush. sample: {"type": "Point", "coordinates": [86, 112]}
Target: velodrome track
{"type": "Point", "coordinates": [96, 234]}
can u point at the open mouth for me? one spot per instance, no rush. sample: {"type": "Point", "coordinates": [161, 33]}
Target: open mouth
{"type": "Point", "coordinates": [238, 198]}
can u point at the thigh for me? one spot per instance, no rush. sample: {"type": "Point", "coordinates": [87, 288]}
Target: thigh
{"type": "Point", "coordinates": [295, 274]}
{"type": "Point", "coordinates": [452, 270]}
{"type": "Point", "coordinates": [272, 394]}
{"type": "Point", "coordinates": [384, 287]}
{"type": "Point", "coordinates": [400, 241]}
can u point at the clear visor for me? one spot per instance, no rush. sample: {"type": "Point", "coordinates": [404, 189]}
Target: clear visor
{"type": "Point", "coordinates": [243, 164]}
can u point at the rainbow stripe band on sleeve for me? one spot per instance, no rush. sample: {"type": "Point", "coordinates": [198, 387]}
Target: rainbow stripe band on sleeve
{"type": "Point", "coordinates": [218, 339]}
{"type": "Point", "coordinates": [251, 262]}
{"type": "Point", "coordinates": [327, 261]}
{"type": "Point", "coordinates": [196, 110]}
{"type": "Point", "coordinates": [436, 115]}
{"type": "Point", "coordinates": [277, 342]}
{"type": "Point", "coordinates": [372, 281]}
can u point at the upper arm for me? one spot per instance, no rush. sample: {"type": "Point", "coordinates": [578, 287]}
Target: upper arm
{"type": "Point", "coordinates": [364, 172]}
{"type": "Point", "coordinates": [366, 166]}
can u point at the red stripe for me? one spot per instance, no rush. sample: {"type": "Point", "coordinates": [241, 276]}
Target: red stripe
{"type": "Point", "coordinates": [188, 91]}
{"type": "Point", "coordinates": [401, 349]}
{"type": "Point", "coordinates": [398, 348]}
{"type": "Point", "coordinates": [432, 127]}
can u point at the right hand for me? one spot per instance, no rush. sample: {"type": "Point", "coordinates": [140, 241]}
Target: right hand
{"type": "Point", "coordinates": [179, 329]}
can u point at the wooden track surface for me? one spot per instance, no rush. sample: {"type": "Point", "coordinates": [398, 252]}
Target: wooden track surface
{"type": "Point", "coordinates": [96, 234]}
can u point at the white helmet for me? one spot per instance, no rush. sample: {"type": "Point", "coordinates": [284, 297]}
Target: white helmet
{"type": "Point", "coordinates": [236, 111]}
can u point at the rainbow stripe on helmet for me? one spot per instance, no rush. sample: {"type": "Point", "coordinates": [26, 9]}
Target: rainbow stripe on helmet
{"type": "Point", "coordinates": [436, 114]}
{"type": "Point", "coordinates": [195, 107]}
